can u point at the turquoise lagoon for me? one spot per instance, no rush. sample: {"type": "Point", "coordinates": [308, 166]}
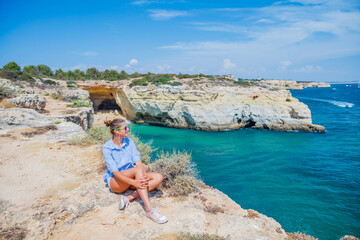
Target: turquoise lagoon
{"type": "Point", "coordinates": [308, 182]}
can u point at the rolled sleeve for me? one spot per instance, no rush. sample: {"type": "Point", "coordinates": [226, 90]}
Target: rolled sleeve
{"type": "Point", "coordinates": [135, 155]}
{"type": "Point", "coordinates": [109, 160]}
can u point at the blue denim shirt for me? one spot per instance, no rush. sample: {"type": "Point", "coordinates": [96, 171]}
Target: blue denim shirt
{"type": "Point", "coordinates": [117, 158]}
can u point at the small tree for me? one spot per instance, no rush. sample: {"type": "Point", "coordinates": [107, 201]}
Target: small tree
{"type": "Point", "coordinates": [92, 73]}
{"type": "Point", "coordinates": [135, 75]}
{"type": "Point", "coordinates": [105, 74]}
{"type": "Point", "coordinates": [113, 74]}
{"type": "Point", "coordinates": [80, 75]}
{"type": "Point", "coordinates": [123, 75]}
{"type": "Point", "coordinates": [44, 70]}
{"type": "Point", "coordinates": [12, 66]}
{"type": "Point", "coordinates": [31, 70]}
{"type": "Point", "coordinates": [59, 74]}
{"type": "Point", "coordinates": [70, 75]}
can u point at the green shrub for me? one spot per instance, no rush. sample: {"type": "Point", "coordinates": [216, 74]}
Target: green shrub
{"type": "Point", "coordinates": [113, 79]}
{"type": "Point", "coordinates": [81, 103]}
{"type": "Point", "coordinates": [175, 83]}
{"type": "Point", "coordinates": [54, 96]}
{"type": "Point", "coordinates": [204, 236]}
{"type": "Point", "coordinates": [178, 171]}
{"type": "Point", "coordinates": [26, 77]}
{"type": "Point", "coordinates": [144, 149]}
{"type": "Point", "coordinates": [8, 74]}
{"type": "Point", "coordinates": [50, 82]}
{"type": "Point", "coordinates": [245, 82]}
{"type": "Point", "coordinates": [139, 82]}
{"type": "Point", "coordinates": [5, 92]}
{"type": "Point", "coordinates": [57, 122]}
{"type": "Point", "coordinates": [95, 135]}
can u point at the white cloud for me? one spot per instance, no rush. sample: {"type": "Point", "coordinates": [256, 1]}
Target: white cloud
{"type": "Point", "coordinates": [114, 67]}
{"type": "Point", "coordinates": [87, 53]}
{"type": "Point", "coordinates": [227, 65]}
{"type": "Point", "coordinates": [142, 2]}
{"type": "Point", "coordinates": [284, 65]}
{"type": "Point", "coordinates": [304, 33]}
{"type": "Point", "coordinates": [263, 20]}
{"type": "Point", "coordinates": [162, 14]}
{"type": "Point", "coordinates": [310, 68]}
{"type": "Point", "coordinates": [133, 62]}
{"type": "Point", "coordinates": [219, 27]}
{"type": "Point", "coordinates": [163, 68]}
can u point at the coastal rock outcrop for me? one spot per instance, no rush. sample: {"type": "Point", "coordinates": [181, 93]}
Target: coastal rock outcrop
{"type": "Point", "coordinates": [294, 85]}
{"type": "Point", "coordinates": [215, 108]}
{"type": "Point", "coordinates": [208, 106]}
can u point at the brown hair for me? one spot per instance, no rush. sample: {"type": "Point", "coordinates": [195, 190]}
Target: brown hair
{"type": "Point", "coordinates": [113, 124]}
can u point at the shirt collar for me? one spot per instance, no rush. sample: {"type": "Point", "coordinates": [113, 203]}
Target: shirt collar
{"type": "Point", "coordinates": [124, 143]}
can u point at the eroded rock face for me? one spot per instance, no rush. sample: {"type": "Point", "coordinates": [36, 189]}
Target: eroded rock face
{"type": "Point", "coordinates": [289, 84]}
{"type": "Point", "coordinates": [215, 108]}
{"type": "Point", "coordinates": [33, 101]}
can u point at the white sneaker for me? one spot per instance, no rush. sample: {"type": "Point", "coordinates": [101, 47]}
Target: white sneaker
{"type": "Point", "coordinates": [124, 202]}
{"type": "Point", "coordinates": [156, 216]}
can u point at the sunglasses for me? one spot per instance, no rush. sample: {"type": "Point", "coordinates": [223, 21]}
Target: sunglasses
{"type": "Point", "coordinates": [121, 128]}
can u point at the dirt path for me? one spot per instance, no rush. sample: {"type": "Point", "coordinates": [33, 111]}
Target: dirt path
{"type": "Point", "coordinates": [35, 167]}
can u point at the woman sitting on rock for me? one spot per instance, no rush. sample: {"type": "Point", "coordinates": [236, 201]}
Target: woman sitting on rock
{"type": "Point", "coordinates": [125, 170]}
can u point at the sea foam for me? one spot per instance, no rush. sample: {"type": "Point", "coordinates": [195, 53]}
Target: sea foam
{"type": "Point", "coordinates": [334, 102]}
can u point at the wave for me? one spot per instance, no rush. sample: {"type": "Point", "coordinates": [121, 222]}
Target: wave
{"type": "Point", "coordinates": [334, 102]}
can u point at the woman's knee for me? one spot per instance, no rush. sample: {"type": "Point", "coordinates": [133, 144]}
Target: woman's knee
{"type": "Point", "coordinates": [159, 177]}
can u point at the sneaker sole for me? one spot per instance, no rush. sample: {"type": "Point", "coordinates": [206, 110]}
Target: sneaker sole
{"type": "Point", "coordinates": [157, 221]}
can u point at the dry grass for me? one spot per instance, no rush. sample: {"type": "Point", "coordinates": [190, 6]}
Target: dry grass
{"type": "Point", "coordinates": [178, 171]}
{"type": "Point", "coordinates": [203, 236]}
{"type": "Point", "coordinates": [299, 236]}
{"type": "Point", "coordinates": [100, 135]}
{"type": "Point", "coordinates": [15, 233]}
{"type": "Point", "coordinates": [252, 214]}
{"type": "Point", "coordinates": [213, 209]}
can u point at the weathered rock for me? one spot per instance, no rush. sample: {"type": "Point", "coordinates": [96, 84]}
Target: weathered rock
{"type": "Point", "coordinates": [83, 116]}
{"type": "Point", "coordinates": [9, 84]}
{"type": "Point", "coordinates": [349, 237]}
{"type": "Point", "coordinates": [74, 94]}
{"type": "Point", "coordinates": [214, 108]}
{"type": "Point", "coordinates": [207, 106]}
{"type": "Point", "coordinates": [28, 101]}
{"type": "Point", "coordinates": [11, 118]}
{"type": "Point", "coordinates": [289, 84]}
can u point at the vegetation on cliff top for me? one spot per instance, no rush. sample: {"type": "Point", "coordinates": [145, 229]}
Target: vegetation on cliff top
{"type": "Point", "coordinates": [13, 71]}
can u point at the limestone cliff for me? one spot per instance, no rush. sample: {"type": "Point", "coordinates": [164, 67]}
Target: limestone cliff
{"type": "Point", "coordinates": [290, 84]}
{"type": "Point", "coordinates": [209, 106]}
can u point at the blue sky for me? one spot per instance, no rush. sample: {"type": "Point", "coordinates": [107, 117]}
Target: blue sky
{"type": "Point", "coordinates": [314, 40]}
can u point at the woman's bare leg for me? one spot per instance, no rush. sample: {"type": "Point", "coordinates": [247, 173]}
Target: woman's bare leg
{"type": "Point", "coordinates": [154, 180]}
{"type": "Point", "coordinates": [137, 173]}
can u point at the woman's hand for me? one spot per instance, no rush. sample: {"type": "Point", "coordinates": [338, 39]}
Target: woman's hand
{"type": "Point", "coordinates": [141, 183]}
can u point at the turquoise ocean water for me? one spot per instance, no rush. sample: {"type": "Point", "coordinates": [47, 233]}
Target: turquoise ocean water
{"type": "Point", "coordinates": [308, 182]}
